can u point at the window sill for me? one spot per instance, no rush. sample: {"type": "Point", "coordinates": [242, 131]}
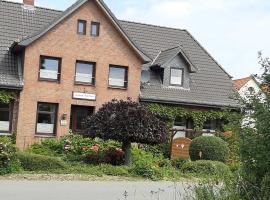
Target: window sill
{"type": "Point", "coordinates": [5, 134]}
{"type": "Point", "coordinates": [44, 136]}
{"type": "Point", "coordinates": [117, 88]}
{"type": "Point", "coordinates": [49, 80]}
{"type": "Point", "coordinates": [86, 84]}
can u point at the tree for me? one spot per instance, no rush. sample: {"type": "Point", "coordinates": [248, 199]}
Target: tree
{"type": "Point", "coordinates": [255, 142]}
{"type": "Point", "coordinates": [126, 122]}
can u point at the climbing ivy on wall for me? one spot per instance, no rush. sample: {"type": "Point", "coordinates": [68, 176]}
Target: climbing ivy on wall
{"type": "Point", "coordinates": [199, 117]}
{"type": "Point", "coordinates": [6, 96]}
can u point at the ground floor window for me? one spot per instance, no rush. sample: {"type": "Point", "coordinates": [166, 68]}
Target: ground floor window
{"type": "Point", "coordinates": [211, 125]}
{"type": "Point", "coordinates": [46, 118]}
{"type": "Point", "coordinates": [78, 116]}
{"type": "Point", "coordinates": [5, 118]}
{"type": "Point", "coordinates": [181, 124]}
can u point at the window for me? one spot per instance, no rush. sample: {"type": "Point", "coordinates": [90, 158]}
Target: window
{"type": "Point", "coordinates": [145, 76]}
{"type": "Point", "coordinates": [210, 125]}
{"type": "Point", "coordinates": [81, 27]}
{"type": "Point", "coordinates": [46, 118]}
{"type": "Point", "coordinates": [4, 118]}
{"type": "Point", "coordinates": [50, 68]}
{"type": "Point", "coordinates": [176, 77]}
{"type": "Point", "coordinates": [180, 123]}
{"type": "Point", "coordinates": [95, 26]}
{"type": "Point", "coordinates": [85, 73]}
{"type": "Point", "coordinates": [118, 76]}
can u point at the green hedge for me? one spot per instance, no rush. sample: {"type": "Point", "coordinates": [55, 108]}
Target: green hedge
{"type": "Point", "coordinates": [206, 167]}
{"type": "Point", "coordinates": [211, 148]}
{"type": "Point", "coordinates": [34, 162]}
{"type": "Point", "coordinates": [265, 187]}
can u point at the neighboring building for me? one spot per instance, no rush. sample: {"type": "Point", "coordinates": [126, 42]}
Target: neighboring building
{"type": "Point", "coordinates": [248, 87]}
{"type": "Point", "coordinates": [65, 65]}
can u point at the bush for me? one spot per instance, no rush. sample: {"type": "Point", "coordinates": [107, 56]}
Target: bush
{"type": "Point", "coordinates": [34, 162]}
{"type": "Point", "coordinates": [178, 162]}
{"type": "Point", "coordinates": [7, 160]}
{"type": "Point", "coordinates": [206, 167]}
{"type": "Point", "coordinates": [210, 148]}
{"type": "Point", "coordinates": [146, 170]}
{"type": "Point", "coordinates": [266, 187]}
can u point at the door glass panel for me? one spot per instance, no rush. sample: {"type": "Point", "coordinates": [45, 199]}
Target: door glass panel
{"type": "Point", "coordinates": [78, 116]}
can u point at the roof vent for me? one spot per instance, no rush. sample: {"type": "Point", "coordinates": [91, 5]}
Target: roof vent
{"type": "Point", "coordinates": [29, 2]}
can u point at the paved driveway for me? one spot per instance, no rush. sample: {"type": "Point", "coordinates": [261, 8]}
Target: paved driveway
{"type": "Point", "coordinates": [79, 190]}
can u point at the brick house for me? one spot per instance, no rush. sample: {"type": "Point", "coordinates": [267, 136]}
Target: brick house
{"type": "Point", "coordinates": [64, 65]}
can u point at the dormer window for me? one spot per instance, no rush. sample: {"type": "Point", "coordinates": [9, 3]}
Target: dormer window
{"type": "Point", "coordinates": [95, 26]}
{"type": "Point", "coordinates": [81, 27]}
{"type": "Point", "coordinates": [145, 76]}
{"type": "Point", "coordinates": [176, 77]}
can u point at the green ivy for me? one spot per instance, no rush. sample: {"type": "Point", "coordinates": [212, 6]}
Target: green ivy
{"type": "Point", "coordinates": [6, 96]}
{"type": "Point", "coordinates": [199, 117]}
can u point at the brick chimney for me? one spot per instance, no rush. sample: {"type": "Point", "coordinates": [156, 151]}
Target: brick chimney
{"type": "Point", "coordinates": [29, 2]}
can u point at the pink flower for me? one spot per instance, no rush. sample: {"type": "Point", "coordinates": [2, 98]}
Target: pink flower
{"type": "Point", "coordinates": [95, 147]}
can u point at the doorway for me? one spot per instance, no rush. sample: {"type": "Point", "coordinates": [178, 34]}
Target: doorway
{"type": "Point", "coordinates": [78, 115]}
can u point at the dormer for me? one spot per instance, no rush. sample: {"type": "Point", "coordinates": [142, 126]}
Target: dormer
{"type": "Point", "coordinates": [173, 67]}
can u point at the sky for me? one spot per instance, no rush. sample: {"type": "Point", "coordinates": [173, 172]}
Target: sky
{"type": "Point", "coordinates": [232, 31]}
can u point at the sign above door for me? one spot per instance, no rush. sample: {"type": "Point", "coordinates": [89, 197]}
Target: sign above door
{"type": "Point", "coordinates": [84, 96]}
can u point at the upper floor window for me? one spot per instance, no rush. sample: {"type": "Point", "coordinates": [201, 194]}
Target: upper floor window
{"type": "Point", "coordinates": [46, 118]}
{"type": "Point", "coordinates": [176, 77]}
{"type": "Point", "coordinates": [81, 27]}
{"type": "Point", "coordinates": [95, 26]}
{"type": "Point", "coordinates": [4, 118]}
{"type": "Point", "coordinates": [145, 76]}
{"type": "Point", "coordinates": [50, 68]}
{"type": "Point", "coordinates": [118, 76]}
{"type": "Point", "coordinates": [85, 72]}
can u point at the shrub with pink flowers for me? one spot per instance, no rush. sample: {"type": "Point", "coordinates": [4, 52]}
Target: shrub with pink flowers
{"type": "Point", "coordinates": [97, 155]}
{"type": "Point", "coordinates": [7, 151]}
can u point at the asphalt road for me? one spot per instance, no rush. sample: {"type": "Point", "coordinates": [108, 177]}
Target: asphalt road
{"type": "Point", "coordinates": [79, 190]}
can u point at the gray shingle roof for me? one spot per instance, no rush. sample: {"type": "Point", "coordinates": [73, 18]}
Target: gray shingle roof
{"type": "Point", "coordinates": [210, 85]}
{"type": "Point", "coordinates": [16, 23]}
{"type": "Point", "coordinates": [164, 57]}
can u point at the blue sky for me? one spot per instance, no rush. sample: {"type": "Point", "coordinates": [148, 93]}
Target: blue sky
{"type": "Point", "coordinates": [233, 31]}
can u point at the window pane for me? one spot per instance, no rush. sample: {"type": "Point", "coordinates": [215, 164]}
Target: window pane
{"type": "Point", "coordinates": [82, 27]}
{"type": "Point", "coordinates": [95, 29]}
{"type": "Point", "coordinates": [4, 120]}
{"type": "Point", "coordinates": [117, 76]}
{"type": "Point", "coordinates": [180, 123]}
{"type": "Point", "coordinates": [176, 76]}
{"type": "Point", "coordinates": [46, 121]}
{"type": "Point", "coordinates": [84, 72]}
{"type": "Point", "coordinates": [46, 107]}
{"type": "Point", "coordinates": [49, 68]}
{"type": "Point", "coordinates": [4, 106]}
{"type": "Point", "coordinates": [145, 76]}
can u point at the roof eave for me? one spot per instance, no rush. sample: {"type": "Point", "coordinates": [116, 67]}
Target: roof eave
{"type": "Point", "coordinates": [188, 103]}
{"type": "Point", "coordinates": [11, 87]}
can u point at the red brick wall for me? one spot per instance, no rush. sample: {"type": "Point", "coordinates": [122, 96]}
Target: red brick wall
{"type": "Point", "coordinates": [63, 41]}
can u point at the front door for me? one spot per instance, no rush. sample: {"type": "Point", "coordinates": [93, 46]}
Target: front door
{"type": "Point", "coordinates": [78, 115]}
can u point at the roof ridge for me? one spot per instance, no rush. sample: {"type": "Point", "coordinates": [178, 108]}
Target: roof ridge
{"type": "Point", "coordinates": [171, 48]}
{"type": "Point", "coordinates": [159, 26]}
{"type": "Point", "coordinates": [40, 7]}
{"type": "Point", "coordinates": [243, 78]}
